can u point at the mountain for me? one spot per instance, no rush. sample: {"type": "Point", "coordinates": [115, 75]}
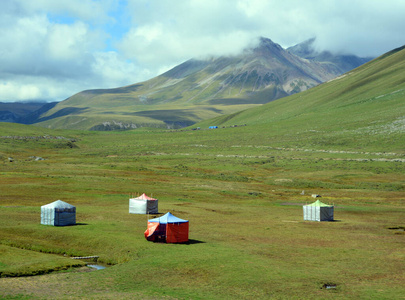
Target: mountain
{"type": "Point", "coordinates": [362, 109]}
{"type": "Point", "coordinates": [193, 91]}
{"type": "Point", "coordinates": [19, 112]}
{"type": "Point", "coordinates": [344, 63]}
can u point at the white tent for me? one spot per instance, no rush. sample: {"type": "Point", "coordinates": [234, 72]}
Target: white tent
{"type": "Point", "coordinates": [143, 205]}
{"type": "Point", "coordinates": [318, 211]}
{"type": "Point", "coordinates": [58, 213]}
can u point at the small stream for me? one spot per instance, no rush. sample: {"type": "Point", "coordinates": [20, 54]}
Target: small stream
{"type": "Point", "coordinates": [97, 267]}
{"type": "Point", "coordinates": [93, 264]}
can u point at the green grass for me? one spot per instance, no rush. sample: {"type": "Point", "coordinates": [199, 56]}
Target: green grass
{"type": "Point", "coordinates": [241, 188]}
{"type": "Point", "coordinates": [241, 192]}
{"type": "Point", "coordinates": [19, 262]}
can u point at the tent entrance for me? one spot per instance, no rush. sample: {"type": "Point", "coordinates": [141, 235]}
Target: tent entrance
{"type": "Point", "coordinates": [157, 232]}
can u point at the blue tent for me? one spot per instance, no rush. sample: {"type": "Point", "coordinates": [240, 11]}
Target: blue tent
{"type": "Point", "coordinates": [168, 229]}
{"type": "Point", "coordinates": [167, 218]}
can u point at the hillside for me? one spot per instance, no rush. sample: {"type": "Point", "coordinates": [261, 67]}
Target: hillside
{"type": "Point", "coordinates": [193, 91]}
{"type": "Point", "coordinates": [361, 108]}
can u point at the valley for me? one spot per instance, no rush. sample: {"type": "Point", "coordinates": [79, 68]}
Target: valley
{"type": "Point", "coordinates": [233, 187]}
{"type": "Point", "coordinates": [242, 188]}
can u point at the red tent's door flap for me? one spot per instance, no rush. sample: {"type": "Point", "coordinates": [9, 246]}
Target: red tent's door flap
{"type": "Point", "coordinates": [177, 232]}
{"type": "Point", "coordinates": [152, 227]}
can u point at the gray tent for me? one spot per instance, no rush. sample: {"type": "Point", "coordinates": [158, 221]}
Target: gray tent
{"type": "Point", "coordinates": [318, 211]}
{"type": "Point", "coordinates": [143, 205]}
{"type": "Point", "coordinates": [58, 213]}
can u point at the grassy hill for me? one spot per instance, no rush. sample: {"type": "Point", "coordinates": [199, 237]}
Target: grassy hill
{"type": "Point", "coordinates": [363, 109]}
{"type": "Point", "coordinates": [242, 189]}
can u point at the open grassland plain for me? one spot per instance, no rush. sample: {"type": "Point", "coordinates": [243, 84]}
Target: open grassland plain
{"type": "Point", "coordinates": [241, 192]}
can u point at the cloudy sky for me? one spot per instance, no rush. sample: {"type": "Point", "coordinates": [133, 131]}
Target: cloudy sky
{"type": "Point", "coordinates": [50, 50]}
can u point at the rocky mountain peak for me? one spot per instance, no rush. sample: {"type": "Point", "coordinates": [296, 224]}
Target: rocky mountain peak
{"type": "Point", "coordinates": [344, 63]}
{"type": "Point", "coordinates": [267, 46]}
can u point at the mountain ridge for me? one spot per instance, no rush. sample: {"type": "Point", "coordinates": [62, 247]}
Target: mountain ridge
{"type": "Point", "coordinates": [344, 62]}
{"type": "Point", "coordinates": [363, 108]}
{"type": "Point", "coordinates": [193, 91]}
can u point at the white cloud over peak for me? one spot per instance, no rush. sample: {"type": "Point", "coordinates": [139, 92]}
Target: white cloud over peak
{"type": "Point", "coordinates": [52, 49]}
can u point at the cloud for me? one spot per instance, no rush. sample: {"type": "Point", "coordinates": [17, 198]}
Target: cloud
{"type": "Point", "coordinates": [43, 59]}
{"type": "Point", "coordinates": [220, 27]}
{"type": "Point", "coordinates": [169, 32]}
{"type": "Point", "coordinates": [52, 49]}
{"type": "Point", "coordinates": [16, 91]}
{"type": "Point", "coordinates": [86, 10]}
{"type": "Point", "coordinates": [114, 70]}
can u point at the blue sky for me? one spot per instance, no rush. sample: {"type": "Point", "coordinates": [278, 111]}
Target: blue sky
{"type": "Point", "coordinates": [50, 50]}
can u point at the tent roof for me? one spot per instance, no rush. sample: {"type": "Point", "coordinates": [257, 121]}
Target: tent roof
{"type": "Point", "coordinates": [319, 203]}
{"type": "Point", "coordinates": [167, 218]}
{"type": "Point", "coordinates": [58, 204]}
{"type": "Point", "coordinates": [144, 197]}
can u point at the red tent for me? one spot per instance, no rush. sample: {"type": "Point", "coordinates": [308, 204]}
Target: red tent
{"type": "Point", "coordinates": [167, 228]}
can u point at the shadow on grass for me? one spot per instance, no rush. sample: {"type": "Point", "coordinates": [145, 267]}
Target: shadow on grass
{"type": "Point", "coordinates": [192, 242]}
{"type": "Point", "coordinates": [189, 242]}
{"type": "Point", "coordinates": [81, 224]}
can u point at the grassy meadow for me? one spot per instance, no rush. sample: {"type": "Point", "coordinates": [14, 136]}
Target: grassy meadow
{"type": "Point", "coordinates": [242, 192]}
